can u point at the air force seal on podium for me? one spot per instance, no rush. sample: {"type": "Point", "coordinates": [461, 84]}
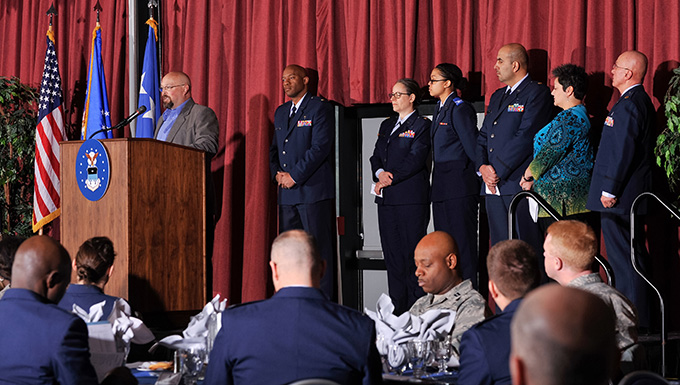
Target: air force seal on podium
{"type": "Point", "coordinates": [92, 169]}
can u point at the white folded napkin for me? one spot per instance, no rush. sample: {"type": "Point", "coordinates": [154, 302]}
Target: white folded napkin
{"type": "Point", "coordinates": [94, 314]}
{"type": "Point", "coordinates": [129, 329]}
{"type": "Point", "coordinates": [394, 332]}
{"type": "Point", "coordinates": [204, 324]}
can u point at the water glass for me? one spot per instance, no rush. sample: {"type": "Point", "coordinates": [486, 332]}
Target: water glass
{"type": "Point", "coordinates": [442, 352]}
{"type": "Point", "coordinates": [397, 358]}
{"type": "Point", "coordinates": [192, 359]}
{"type": "Point", "coordinates": [420, 354]}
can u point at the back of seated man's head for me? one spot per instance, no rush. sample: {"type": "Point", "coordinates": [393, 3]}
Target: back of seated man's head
{"type": "Point", "coordinates": [43, 266]}
{"type": "Point", "coordinates": [574, 242]}
{"type": "Point", "coordinates": [562, 335]}
{"type": "Point", "coordinates": [295, 260]}
{"type": "Point", "coordinates": [512, 266]}
{"type": "Point", "coordinates": [436, 258]}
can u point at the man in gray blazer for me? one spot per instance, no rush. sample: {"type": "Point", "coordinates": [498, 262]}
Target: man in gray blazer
{"type": "Point", "coordinates": [183, 121]}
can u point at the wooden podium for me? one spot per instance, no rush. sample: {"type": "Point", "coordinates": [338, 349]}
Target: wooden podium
{"type": "Point", "coordinates": [154, 212]}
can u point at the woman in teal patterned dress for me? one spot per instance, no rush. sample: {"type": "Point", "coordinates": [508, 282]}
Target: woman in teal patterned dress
{"type": "Point", "coordinates": [563, 155]}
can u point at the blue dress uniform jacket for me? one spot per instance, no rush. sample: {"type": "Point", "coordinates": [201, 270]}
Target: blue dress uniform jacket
{"type": "Point", "coordinates": [507, 135]}
{"type": "Point", "coordinates": [455, 184]}
{"type": "Point", "coordinates": [485, 350]}
{"type": "Point", "coordinates": [302, 146]}
{"type": "Point", "coordinates": [294, 335]}
{"type": "Point", "coordinates": [41, 343]}
{"type": "Point", "coordinates": [623, 166]}
{"type": "Point", "coordinates": [404, 209]}
{"type": "Point", "coordinates": [404, 153]}
{"type": "Point", "coordinates": [85, 296]}
{"type": "Point", "coordinates": [454, 138]}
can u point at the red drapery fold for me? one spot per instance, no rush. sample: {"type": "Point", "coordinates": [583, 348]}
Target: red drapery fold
{"type": "Point", "coordinates": [234, 51]}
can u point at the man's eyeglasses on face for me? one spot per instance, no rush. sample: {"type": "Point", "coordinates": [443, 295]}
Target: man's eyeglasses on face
{"type": "Point", "coordinates": [168, 88]}
{"type": "Point", "coordinates": [623, 68]}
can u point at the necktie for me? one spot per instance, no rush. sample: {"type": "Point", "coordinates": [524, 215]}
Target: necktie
{"type": "Point", "coordinates": [396, 127]}
{"type": "Point", "coordinates": [505, 96]}
{"type": "Point", "coordinates": [292, 113]}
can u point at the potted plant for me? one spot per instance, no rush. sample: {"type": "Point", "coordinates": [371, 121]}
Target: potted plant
{"type": "Point", "coordinates": [668, 142]}
{"type": "Point", "coordinates": [18, 114]}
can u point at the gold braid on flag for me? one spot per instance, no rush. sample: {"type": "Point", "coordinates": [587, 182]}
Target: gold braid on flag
{"type": "Point", "coordinates": [153, 24]}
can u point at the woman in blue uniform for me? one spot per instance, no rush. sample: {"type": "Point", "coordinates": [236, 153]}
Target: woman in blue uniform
{"type": "Point", "coordinates": [93, 265]}
{"type": "Point", "coordinates": [455, 184]}
{"type": "Point", "coordinates": [399, 166]}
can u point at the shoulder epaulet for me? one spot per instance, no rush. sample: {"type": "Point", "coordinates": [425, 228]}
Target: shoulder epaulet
{"type": "Point", "coordinates": [318, 98]}
{"type": "Point", "coordinates": [458, 101]}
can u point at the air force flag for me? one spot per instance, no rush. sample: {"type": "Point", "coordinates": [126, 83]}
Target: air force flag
{"type": "Point", "coordinates": [96, 111]}
{"type": "Point", "coordinates": [149, 87]}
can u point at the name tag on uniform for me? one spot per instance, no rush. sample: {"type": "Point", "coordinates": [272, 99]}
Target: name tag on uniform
{"type": "Point", "coordinates": [516, 108]}
{"type": "Point", "coordinates": [408, 134]}
{"type": "Point", "coordinates": [304, 123]}
{"type": "Point", "coordinates": [609, 121]}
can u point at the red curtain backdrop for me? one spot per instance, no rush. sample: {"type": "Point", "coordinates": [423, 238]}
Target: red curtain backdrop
{"type": "Point", "coordinates": [234, 51]}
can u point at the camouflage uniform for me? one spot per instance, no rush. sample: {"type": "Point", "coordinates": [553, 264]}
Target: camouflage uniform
{"type": "Point", "coordinates": [626, 315]}
{"type": "Point", "coordinates": [469, 305]}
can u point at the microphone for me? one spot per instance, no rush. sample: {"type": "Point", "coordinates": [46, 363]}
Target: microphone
{"type": "Point", "coordinates": [124, 123]}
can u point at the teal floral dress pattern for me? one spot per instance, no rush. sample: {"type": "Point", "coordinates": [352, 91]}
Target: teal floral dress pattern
{"type": "Point", "coordinates": [563, 162]}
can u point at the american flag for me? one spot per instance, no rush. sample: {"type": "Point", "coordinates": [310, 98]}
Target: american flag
{"type": "Point", "coordinates": [48, 134]}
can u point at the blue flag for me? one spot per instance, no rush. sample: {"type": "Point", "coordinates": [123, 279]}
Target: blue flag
{"type": "Point", "coordinates": [96, 113]}
{"type": "Point", "coordinates": [149, 88]}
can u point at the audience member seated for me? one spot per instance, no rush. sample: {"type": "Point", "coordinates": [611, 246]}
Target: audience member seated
{"type": "Point", "coordinates": [93, 266]}
{"type": "Point", "coordinates": [562, 335]}
{"type": "Point", "coordinates": [485, 348]}
{"type": "Point", "coordinates": [296, 334]}
{"type": "Point", "coordinates": [436, 258]}
{"type": "Point", "coordinates": [8, 247]}
{"type": "Point", "coordinates": [570, 249]}
{"type": "Point", "coordinates": [42, 344]}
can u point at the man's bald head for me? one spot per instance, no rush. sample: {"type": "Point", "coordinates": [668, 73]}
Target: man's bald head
{"type": "Point", "coordinates": [636, 61]}
{"type": "Point", "coordinates": [628, 70]}
{"type": "Point", "coordinates": [295, 260]}
{"type": "Point", "coordinates": [43, 266]}
{"type": "Point", "coordinates": [517, 52]}
{"type": "Point", "coordinates": [176, 88]}
{"type": "Point", "coordinates": [562, 335]}
{"type": "Point", "coordinates": [436, 258]}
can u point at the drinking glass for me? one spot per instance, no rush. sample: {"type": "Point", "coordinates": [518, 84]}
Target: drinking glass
{"type": "Point", "coordinates": [192, 357]}
{"type": "Point", "coordinates": [397, 358]}
{"type": "Point", "coordinates": [442, 352]}
{"type": "Point", "coordinates": [420, 353]}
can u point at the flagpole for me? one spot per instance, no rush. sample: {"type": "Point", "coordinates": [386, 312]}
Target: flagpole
{"type": "Point", "coordinates": [133, 60]}
{"type": "Point", "coordinates": [49, 132]}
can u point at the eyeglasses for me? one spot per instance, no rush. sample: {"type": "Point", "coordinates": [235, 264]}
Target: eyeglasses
{"type": "Point", "coordinates": [168, 88]}
{"type": "Point", "coordinates": [623, 68]}
{"type": "Point", "coordinates": [431, 81]}
{"type": "Point", "coordinates": [397, 95]}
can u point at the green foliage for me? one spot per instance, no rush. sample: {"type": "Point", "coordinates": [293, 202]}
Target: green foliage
{"type": "Point", "coordinates": [668, 142]}
{"type": "Point", "coordinates": [18, 118]}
